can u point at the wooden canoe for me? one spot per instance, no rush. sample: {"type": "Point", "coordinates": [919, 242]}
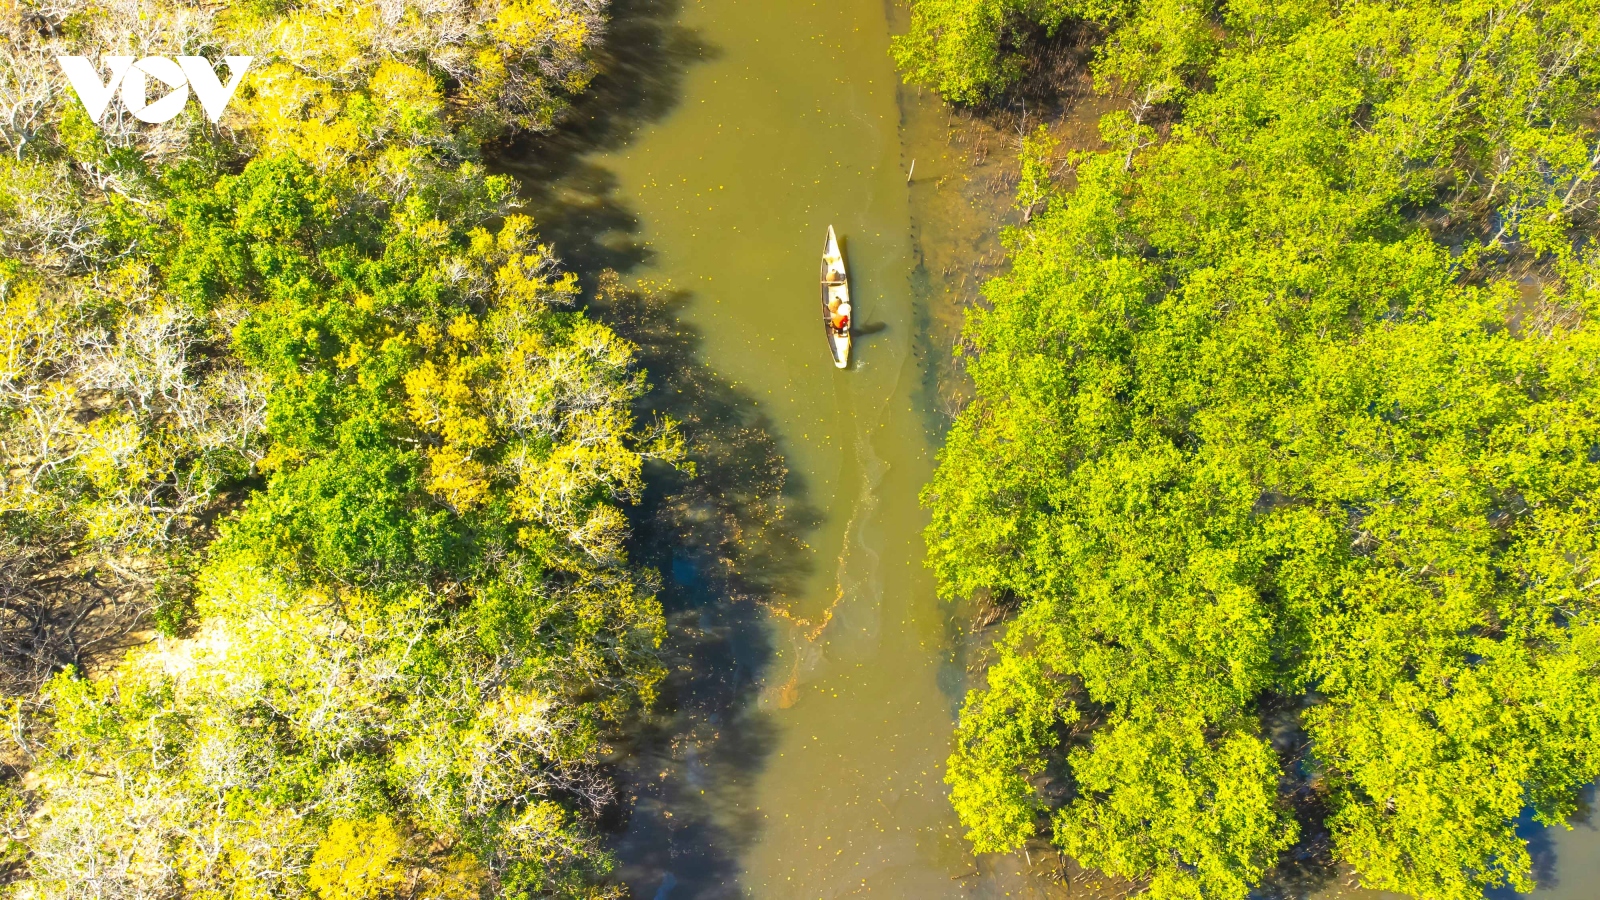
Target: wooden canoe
{"type": "Point", "coordinates": [835, 287]}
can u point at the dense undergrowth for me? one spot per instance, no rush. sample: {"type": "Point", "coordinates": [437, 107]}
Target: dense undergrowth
{"type": "Point", "coordinates": [1286, 443]}
{"type": "Point", "coordinates": [303, 391]}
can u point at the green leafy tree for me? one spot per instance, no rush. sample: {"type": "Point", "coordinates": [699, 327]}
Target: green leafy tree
{"type": "Point", "coordinates": [971, 50]}
{"type": "Point", "coordinates": [1297, 409]}
{"type": "Point", "coordinates": [127, 425]}
{"type": "Point", "coordinates": [405, 624]}
{"type": "Point", "coordinates": [426, 615]}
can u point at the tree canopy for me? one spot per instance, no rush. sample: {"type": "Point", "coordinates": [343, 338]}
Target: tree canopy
{"type": "Point", "coordinates": [1287, 428]}
{"type": "Point", "coordinates": [971, 50]}
{"type": "Point", "coordinates": [307, 383]}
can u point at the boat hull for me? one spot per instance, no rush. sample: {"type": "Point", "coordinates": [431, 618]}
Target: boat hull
{"type": "Point", "coordinates": [835, 285]}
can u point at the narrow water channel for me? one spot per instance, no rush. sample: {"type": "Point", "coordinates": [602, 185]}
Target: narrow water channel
{"type": "Point", "coordinates": [816, 676]}
{"type": "Point", "coordinates": [731, 135]}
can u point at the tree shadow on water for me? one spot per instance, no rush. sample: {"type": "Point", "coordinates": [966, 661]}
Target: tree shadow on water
{"type": "Point", "coordinates": [1542, 847]}
{"type": "Point", "coordinates": [574, 200]}
{"type": "Point", "coordinates": [728, 541]}
{"type": "Point", "coordinates": [1311, 869]}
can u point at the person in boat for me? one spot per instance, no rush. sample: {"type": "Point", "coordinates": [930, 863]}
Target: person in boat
{"type": "Point", "coordinates": [840, 319]}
